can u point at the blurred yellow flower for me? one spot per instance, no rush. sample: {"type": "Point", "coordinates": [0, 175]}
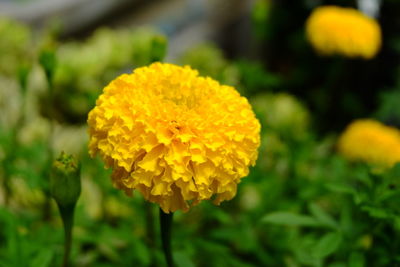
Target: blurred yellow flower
{"type": "Point", "coordinates": [176, 137]}
{"type": "Point", "coordinates": [372, 142]}
{"type": "Point", "coordinates": [336, 30]}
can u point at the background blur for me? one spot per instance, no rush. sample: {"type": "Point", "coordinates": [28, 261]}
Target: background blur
{"type": "Point", "coordinates": [302, 204]}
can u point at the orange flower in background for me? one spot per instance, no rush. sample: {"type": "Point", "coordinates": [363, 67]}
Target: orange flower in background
{"type": "Point", "coordinates": [176, 137]}
{"type": "Point", "coordinates": [334, 30]}
{"type": "Point", "coordinates": [371, 141]}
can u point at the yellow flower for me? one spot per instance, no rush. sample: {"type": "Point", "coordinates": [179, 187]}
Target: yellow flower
{"type": "Point", "coordinates": [372, 142]}
{"type": "Point", "coordinates": [334, 30]}
{"type": "Point", "coordinates": [176, 137]}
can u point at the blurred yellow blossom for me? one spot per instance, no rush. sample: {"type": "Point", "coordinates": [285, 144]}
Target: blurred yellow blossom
{"type": "Point", "coordinates": [371, 141]}
{"type": "Point", "coordinates": [176, 137]}
{"type": "Point", "coordinates": [336, 30]}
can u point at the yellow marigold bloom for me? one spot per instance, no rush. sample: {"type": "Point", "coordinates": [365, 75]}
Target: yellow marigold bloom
{"type": "Point", "coordinates": [334, 30]}
{"type": "Point", "coordinates": [372, 142]}
{"type": "Point", "coordinates": [176, 137]}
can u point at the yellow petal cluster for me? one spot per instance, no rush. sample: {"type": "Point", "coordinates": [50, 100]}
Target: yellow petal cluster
{"type": "Point", "coordinates": [176, 137]}
{"type": "Point", "coordinates": [334, 30]}
{"type": "Point", "coordinates": [371, 141]}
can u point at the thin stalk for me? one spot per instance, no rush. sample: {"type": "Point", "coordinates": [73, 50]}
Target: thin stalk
{"type": "Point", "coordinates": [6, 182]}
{"type": "Point", "coordinates": [46, 207]}
{"type": "Point", "coordinates": [67, 215]}
{"type": "Point", "coordinates": [50, 153]}
{"type": "Point", "coordinates": [150, 223]}
{"type": "Point", "coordinates": [166, 225]}
{"type": "Point", "coordinates": [150, 229]}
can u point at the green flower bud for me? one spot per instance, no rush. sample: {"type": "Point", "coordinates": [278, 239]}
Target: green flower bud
{"type": "Point", "coordinates": [65, 180]}
{"type": "Point", "coordinates": [158, 48]}
{"type": "Point", "coordinates": [48, 61]}
{"type": "Point", "coordinates": [23, 74]}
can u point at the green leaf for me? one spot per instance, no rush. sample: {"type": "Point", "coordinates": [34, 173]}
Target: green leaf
{"type": "Point", "coordinates": [323, 216]}
{"type": "Point", "coordinates": [43, 259]}
{"type": "Point", "coordinates": [356, 259]}
{"type": "Point", "coordinates": [328, 244]}
{"type": "Point", "coordinates": [376, 212]}
{"type": "Point", "coordinates": [182, 260]}
{"type": "Point", "coordinates": [395, 171]}
{"type": "Point", "coordinates": [142, 253]}
{"type": "Point", "coordinates": [292, 219]}
{"type": "Point", "coordinates": [340, 188]}
{"type": "Point", "coordinates": [338, 264]}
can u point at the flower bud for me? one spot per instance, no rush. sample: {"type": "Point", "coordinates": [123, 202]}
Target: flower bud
{"type": "Point", "coordinates": [48, 61]}
{"type": "Point", "coordinates": [65, 181]}
{"type": "Point", "coordinates": [158, 48]}
{"type": "Point", "coordinates": [23, 74]}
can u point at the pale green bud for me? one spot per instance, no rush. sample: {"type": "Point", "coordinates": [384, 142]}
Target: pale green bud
{"type": "Point", "coordinates": [65, 180]}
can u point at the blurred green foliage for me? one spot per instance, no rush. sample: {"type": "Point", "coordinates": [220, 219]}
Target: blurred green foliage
{"type": "Point", "coordinates": [16, 44]}
{"type": "Point", "coordinates": [301, 205]}
{"type": "Point", "coordinates": [85, 67]}
{"type": "Point", "coordinates": [210, 61]}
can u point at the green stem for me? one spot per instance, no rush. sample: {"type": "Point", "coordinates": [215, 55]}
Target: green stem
{"type": "Point", "coordinates": [150, 223]}
{"type": "Point", "coordinates": [166, 224]}
{"type": "Point", "coordinates": [7, 191]}
{"type": "Point", "coordinates": [46, 208]}
{"type": "Point", "coordinates": [67, 215]}
{"type": "Point", "coordinates": [6, 182]}
{"type": "Point", "coordinates": [50, 153]}
{"type": "Point", "coordinates": [150, 231]}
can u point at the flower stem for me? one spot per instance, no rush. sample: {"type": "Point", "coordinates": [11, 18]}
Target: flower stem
{"type": "Point", "coordinates": [67, 215]}
{"type": "Point", "coordinates": [150, 231]}
{"type": "Point", "coordinates": [166, 225]}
